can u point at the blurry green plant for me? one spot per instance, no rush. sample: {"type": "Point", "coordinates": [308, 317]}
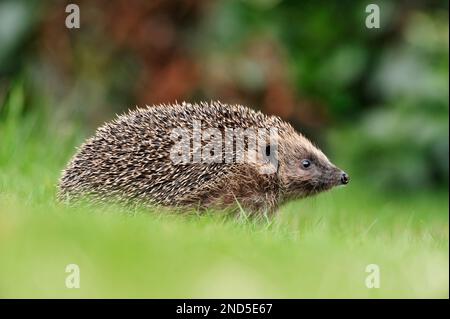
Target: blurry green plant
{"type": "Point", "coordinates": [404, 143]}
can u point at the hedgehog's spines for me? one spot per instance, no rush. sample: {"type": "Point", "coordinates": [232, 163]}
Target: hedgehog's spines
{"type": "Point", "coordinates": [128, 158]}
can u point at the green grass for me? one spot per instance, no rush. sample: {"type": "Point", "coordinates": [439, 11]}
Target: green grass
{"type": "Point", "coordinates": [317, 247]}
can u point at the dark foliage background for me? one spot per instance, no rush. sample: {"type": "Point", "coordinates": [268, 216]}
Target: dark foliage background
{"type": "Point", "coordinates": [375, 99]}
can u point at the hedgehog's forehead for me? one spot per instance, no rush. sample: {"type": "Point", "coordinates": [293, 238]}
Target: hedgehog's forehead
{"type": "Point", "coordinates": [300, 145]}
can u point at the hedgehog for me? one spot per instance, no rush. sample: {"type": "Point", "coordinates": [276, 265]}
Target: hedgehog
{"type": "Point", "coordinates": [199, 156]}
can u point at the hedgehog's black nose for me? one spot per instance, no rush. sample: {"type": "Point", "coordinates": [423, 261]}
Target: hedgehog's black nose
{"type": "Point", "coordinates": [344, 178]}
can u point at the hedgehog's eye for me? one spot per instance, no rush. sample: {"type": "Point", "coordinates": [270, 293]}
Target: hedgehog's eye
{"type": "Point", "coordinates": [306, 163]}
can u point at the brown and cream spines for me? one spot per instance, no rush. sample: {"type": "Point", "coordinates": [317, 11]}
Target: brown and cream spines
{"type": "Point", "coordinates": [138, 158]}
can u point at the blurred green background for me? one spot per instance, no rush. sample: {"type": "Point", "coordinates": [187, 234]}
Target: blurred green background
{"type": "Point", "coordinates": [316, 65]}
{"type": "Point", "coordinates": [376, 101]}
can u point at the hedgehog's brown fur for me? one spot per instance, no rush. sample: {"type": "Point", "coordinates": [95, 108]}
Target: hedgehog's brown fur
{"type": "Point", "coordinates": [128, 159]}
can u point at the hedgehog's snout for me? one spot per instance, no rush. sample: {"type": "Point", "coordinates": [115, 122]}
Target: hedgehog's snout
{"type": "Point", "coordinates": [344, 178]}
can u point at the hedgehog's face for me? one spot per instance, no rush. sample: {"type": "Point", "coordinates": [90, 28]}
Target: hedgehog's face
{"type": "Point", "coordinates": [304, 170]}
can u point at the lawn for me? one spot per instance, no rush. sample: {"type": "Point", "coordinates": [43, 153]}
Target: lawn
{"type": "Point", "coordinates": [319, 247]}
